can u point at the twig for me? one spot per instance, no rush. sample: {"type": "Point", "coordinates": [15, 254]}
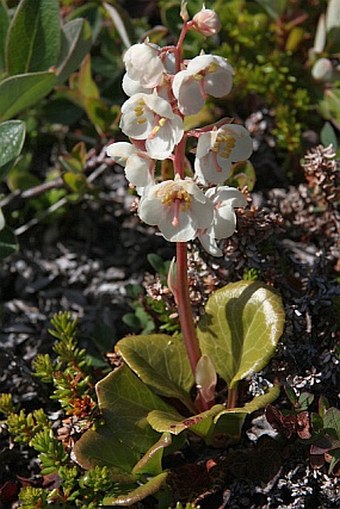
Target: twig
{"type": "Point", "coordinates": [60, 203]}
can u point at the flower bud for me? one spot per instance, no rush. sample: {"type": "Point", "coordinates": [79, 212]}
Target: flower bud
{"type": "Point", "coordinates": [207, 22]}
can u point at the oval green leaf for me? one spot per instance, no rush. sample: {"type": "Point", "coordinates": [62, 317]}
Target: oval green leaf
{"type": "Point", "coordinates": [124, 402]}
{"type": "Point", "coordinates": [75, 44]}
{"type": "Point", "coordinates": [240, 329]}
{"type": "Point", "coordinates": [19, 92]}
{"type": "Point", "coordinates": [161, 362]}
{"type": "Point", "coordinates": [12, 137]}
{"type": "Point", "coordinates": [135, 496]}
{"type": "Point", "coordinates": [151, 462]}
{"type": "Point", "coordinates": [33, 41]}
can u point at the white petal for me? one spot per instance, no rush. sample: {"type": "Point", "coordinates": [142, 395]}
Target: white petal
{"type": "Point", "coordinates": [150, 209]}
{"type": "Point", "coordinates": [138, 170]}
{"type": "Point", "coordinates": [225, 222]}
{"type": "Point", "coordinates": [132, 87]}
{"type": "Point", "coordinates": [203, 213]}
{"type": "Point", "coordinates": [159, 105]}
{"type": "Point", "coordinates": [188, 93]}
{"type": "Point", "coordinates": [183, 232]}
{"type": "Point", "coordinates": [121, 151]}
{"type": "Point", "coordinates": [205, 143]}
{"type": "Point", "coordinates": [131, 127]}
{"type": "Point", "coordinates": [219, 83]}
{"type": "Point", "coordinates": [144, 65]}
{"type": "Point", "coordinates": [200, 63]}
{"type": "Point", "coordinates": [208, 172]}
{"type": "Point", "coordinates": [228, 194]}
{"type": "Point", "coordinates": [244, 144]}
{"type": "Point", "coordinates": [177, 126]}
{"type": "Point", "coordinates": [161, 145]}
{"type": "Point", "coordinates": [207, 240]}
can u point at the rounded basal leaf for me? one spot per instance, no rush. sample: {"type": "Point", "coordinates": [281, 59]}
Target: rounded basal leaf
{"type": "Point", "coordinates": [124, 402]}
{"type": "Point", "coordinates": [161, 362]}
{"type": "Point", "coordinates": [174, 423]}
{"type": "Point", "coordinates": [145, 490]}
{"type": "Point", "coordinates": [240, 329]}
{"type": "Point", "coordinates": [33, 40]}
{"type": "Point", "coordinates": [151, 462]}
{"type": "Point", "coordinates": [12, 136]}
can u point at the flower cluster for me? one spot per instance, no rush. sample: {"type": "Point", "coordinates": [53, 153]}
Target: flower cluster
{"type": "Point", "coordinates": [163, 88]}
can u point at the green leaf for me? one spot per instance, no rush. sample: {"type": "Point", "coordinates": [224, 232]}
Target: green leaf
{"type": "Point", "coordinates": [333, 14]}
{"type": "Point", "coordinates": [2, 220]}
{"type": "Point", "coordinates": [76, 182]}
{"type": "Point", "coordinates": [33, 41]}
{"type": "Point", "coordinates": [124, 402]}
{"type": "Point", "coordinates": [331, 420]}
{"type": "Point", "coordinates": [330, 105]}
{"type": "Point", "coordinates": [240, 329]}
{"type": "Point", "coordinates": [143, 491]}
{"type": "Point", "coordinates": [151, 462]}
{"type": "Point", "coordinates": [86, 84]}
{"type": "Point", "coordinates": [229, 422]}
{"type": "Point", "coordinates": [19, 92]}
{"type": "Point", "coordinates": [75, 44]}
{"type": "Point", "coordinates": [4, 24]}
{"type": "Point", "coordinates": [161, 362]}
{"type": "Point", "coordinates": [328, 136]}
{"type": "Point", "coordinates": [8, 243]}
{"type": "Point", "coordinates": [119, 18]}
{"type": "Point", "coordinates": [12, 137]}
{"type": "Point", "coordinates": [157, 263]}
{"type": "Point", "coordinates": [174, 423]}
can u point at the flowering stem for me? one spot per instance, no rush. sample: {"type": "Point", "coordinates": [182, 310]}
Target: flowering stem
{"type": "Point", "coordinates": [182, 286]}
{"type": "Point", "coordinates": [232, 397]}
{"type": "Point", "coordinates": [184, 306]}
{"type": "Point", "coordinates": [179, 47]}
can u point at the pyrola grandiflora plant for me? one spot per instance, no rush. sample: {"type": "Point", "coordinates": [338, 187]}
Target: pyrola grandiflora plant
{"type": "Point", "coordinates": [163, 88]}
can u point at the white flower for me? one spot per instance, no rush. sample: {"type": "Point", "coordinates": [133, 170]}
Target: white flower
{"type": "Point", "coordinates": [207, 22]}
{"type": "Point", "coordinates": [224, 200]}
{"type": "Point", "coordinates": [150, 118]}
{"type": "Point", "coordinates": [178, 207]}
{"type": "Point", "coordinates": [205, 75]}
{"type": "Point", "coordinates": [218, 149]}
{"type": "Point", "coordinates": [144, 65]}
{"type": "Point", "coordinates": [139, 167]}
{"type": "Point", "coordinates": [132, 87]}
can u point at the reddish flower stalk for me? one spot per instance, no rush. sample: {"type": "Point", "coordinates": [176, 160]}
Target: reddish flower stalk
{"type": "Point", "coordinates": [182, 284]}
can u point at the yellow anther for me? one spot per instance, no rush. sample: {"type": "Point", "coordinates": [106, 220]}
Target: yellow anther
{"type": "Point", "coordinates": [162, 121]}
{"type": "Point", "coordinates": [139, 110]}
{"type": "Point", "coordinates": [213, 67]}
{"type": "Point", "coordinates": [155, 130]}
{"type": "Point", "coordinates": [141, 120]}
{"type": "Point", "coordinates": [224, 144]}
{"type": "Point", "coordinates": [171, 193]}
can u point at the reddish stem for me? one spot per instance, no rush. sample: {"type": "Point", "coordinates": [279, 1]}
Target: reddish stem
{"type": "Point", "coordinates": [232, 397]}
{"type": "Point", "coordinates": [182, 286]}
{"type": "Point", "coordinates": [184, 306]}
{"type": "Point", "coordinates": [179, 47]}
